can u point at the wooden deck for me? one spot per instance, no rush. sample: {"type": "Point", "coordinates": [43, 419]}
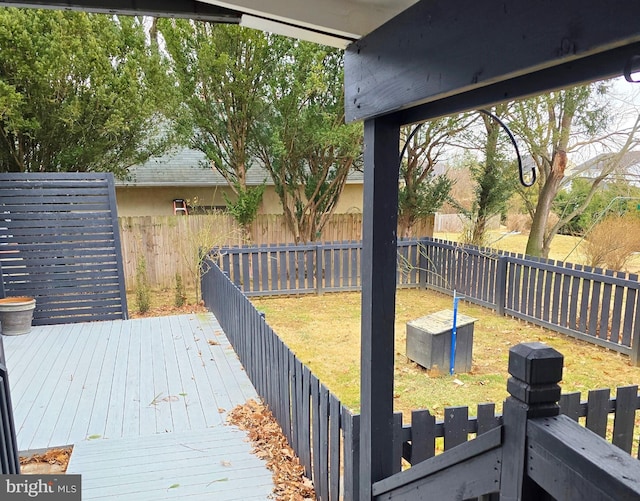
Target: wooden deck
{"type": "Point", "coordinates": [116, 389]}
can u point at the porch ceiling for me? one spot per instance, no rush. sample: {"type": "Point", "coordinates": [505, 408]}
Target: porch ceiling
{"type": "Point", "coordinates": [331, 22]}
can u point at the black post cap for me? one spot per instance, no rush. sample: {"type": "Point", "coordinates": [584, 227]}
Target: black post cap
{"type": "Point", "coordinates": [536, 363]}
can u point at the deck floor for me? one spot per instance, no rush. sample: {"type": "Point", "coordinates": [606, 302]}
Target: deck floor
{"type": "Point", "coordinates": [101, 384]}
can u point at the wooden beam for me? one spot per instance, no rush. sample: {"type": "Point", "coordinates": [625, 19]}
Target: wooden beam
{"type": "Point", "coordinates": [379, 256]}
{"type": "Point", "coordinates": [420, 475]}
{"type": "Point", "coordinates": [439, 49]}
{"type": "Point", "coordinates": [190, 9]}
{"type": "Point", "coordinates": [573, 463]}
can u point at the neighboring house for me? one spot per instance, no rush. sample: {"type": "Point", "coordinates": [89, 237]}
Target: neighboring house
{"type": "Point", "coordinates": [152, 187]}
{"type": "Point", "coordinates": [627, 170]}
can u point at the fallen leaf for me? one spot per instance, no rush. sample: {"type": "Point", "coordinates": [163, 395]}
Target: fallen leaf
{"type": "Point", "coordinates": [218, 480]}
{"type": "Point", "coordinates": [212, 342]}
{"type": "Point", "coordinates": [173, 486]}
{"type": "Point", "coordinates": [271, 445]}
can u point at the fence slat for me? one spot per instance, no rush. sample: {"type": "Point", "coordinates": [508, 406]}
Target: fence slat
{"type": "Point", "coordinates": [334, 448]}
{"type": "Point", "coordinates": [617, 311]}
{"type": "Point", "coordinates": [456, 421]}
{"type": "Point", "coordinates": [397, 442]}
{"type": "Point", "coordinates": [629, 313]}
{"type": "Point", "coordinates": [585, 303]}
{"type": "Point", "coordinates": [606, 308]}
{"type": "Point", "coordinates": [315, 435]}
{"type": "Point", "coordinates": [624, 422]}
{"type": "Point", "coordinates": [574, 295]}
{"type": "Point", "coordinates": [351, 452]}
{"type": "Point", "coordinates": [423, 436]}
{"type": "Point", "coordinates": [305, 428]}
{"type": "Point", "coordinates": [486, 418]}
{"type": "Point", "coordinates": [322, 449]}
{"type": "Point", "coordinates": [598, 411]}
{"type": "Point", "coordinates": [570, 405]}
{"type": "Point", "coordinates": [594, 308]}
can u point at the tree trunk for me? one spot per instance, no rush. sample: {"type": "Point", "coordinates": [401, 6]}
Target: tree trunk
{"type": "Point", "coordinates": [537, 245]}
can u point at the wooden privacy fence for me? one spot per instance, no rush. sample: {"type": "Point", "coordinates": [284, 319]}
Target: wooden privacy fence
{"type": "Point", "coordinates": [169, 244]}
{"type": "Point", "coordinates": [598, 306]}
{"type": "Point", "coordinates": [59, 243]}
{"type": "Point", "coordinates": [325, 434]}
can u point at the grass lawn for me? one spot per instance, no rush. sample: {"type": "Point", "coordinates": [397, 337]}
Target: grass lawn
{"type": "Point", "coordinates": [324, 332]}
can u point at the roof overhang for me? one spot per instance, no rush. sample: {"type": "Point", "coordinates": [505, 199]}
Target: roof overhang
{"type": "Point", "coordinates": [329, 22]}
{"type": "Point", "coordinates": [190, 9]}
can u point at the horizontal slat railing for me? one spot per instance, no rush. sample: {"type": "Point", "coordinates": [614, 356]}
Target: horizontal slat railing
{"type": "Point", "coordinates": [60, 243]}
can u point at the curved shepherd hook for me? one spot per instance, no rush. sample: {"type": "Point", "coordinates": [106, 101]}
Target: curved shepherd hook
{"type": "Point", "coordinates": [527, 183]}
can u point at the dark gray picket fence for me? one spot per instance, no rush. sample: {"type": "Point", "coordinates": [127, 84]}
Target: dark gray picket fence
{"type": "Point", "coordinates": [595, 305]}
{"type": "Point", "coordinates": [325, 434]}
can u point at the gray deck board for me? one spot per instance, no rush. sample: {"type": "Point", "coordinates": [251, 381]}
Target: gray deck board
{"type": "Point", "coordinates": [214, 463]}
{"type": "Point", "coordinates": [144, 404]}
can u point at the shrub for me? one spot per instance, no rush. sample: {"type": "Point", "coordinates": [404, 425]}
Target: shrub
{"type": "Point", "coordinates": [143, 291]}
{"type": "Point", "coordinates": [612, 242]}
{"type": "Point", "coordinates": [180, 297]}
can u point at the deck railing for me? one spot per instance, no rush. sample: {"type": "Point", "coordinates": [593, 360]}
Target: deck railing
{"type": "Point", "coordinates": [319, 427]}
{"type": "Point", "coordinates": [598, 306]}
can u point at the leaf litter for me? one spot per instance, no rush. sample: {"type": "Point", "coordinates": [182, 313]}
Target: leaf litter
{"type": "Point", "coordinates": [270, 444]}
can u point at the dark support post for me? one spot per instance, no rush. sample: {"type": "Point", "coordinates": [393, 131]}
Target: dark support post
{"type": "Point", "coordinates": [379, 257]}
{"type": "Point", "coordinates": [9, 460]}
{"type": "Point", "coordinates": [536, 370]}
{"type": "Point", "coordinates": [501, 285]}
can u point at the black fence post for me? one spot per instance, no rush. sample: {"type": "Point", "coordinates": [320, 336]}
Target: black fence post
{"type": "Point", "coordinates": [536, 370]}
{"type": "Point", "coordinates": [423, 262]}
{"type": "Point", "coordinates": [9, 460]}
{"type": "Point", "coordinates": [501, 285]}
{"type": "Point", "coordinates": [319, 271]}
